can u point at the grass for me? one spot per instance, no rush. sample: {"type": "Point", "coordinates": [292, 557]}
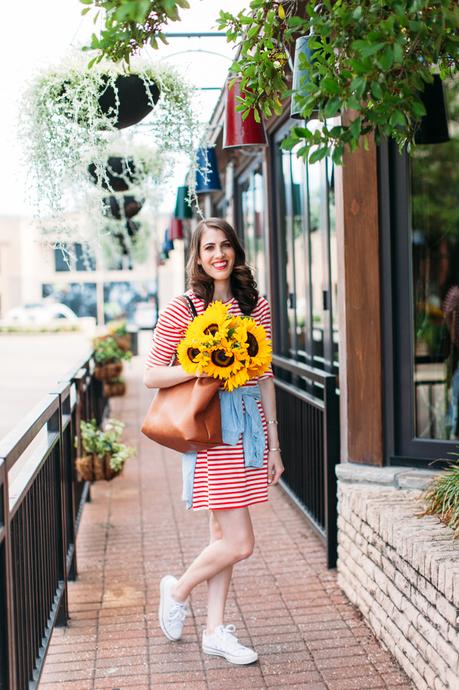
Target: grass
{"type": "Point", "coordinates": [442, 497]}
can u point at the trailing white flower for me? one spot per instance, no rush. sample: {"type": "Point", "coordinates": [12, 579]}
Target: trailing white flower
{"type": "Point", "coordinates": [64, 130]}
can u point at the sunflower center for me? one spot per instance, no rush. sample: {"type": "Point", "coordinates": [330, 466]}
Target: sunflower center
{"type": "Point", "coordinates": [211, 329]}
{"type": "Point", "coordinates": [192, 352]}
{"type": "Point", "coordinates": [253, 345]}
{"type": "Point", "coordinates": [221, 359]}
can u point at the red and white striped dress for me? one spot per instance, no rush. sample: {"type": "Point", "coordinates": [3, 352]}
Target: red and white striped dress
{"type": "Point", "coordinates": [221, 480]}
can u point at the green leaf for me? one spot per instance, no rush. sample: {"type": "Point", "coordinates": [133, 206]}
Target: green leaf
{"type": "Point", "coordinates": [355, 127]}
{"type": "Point", "coordinates": [358, 86]}
{"type": "Point", "coordinates": [376, 90]}
{"type": "Point", "coordinates": [398, 53]}
{"type": "Point", "coordinates": [318, 155]}
{"type": "Point", "coordinates": [330, 86]}
{"type": "Point", "coordinates": [332, 107]}
{"type": "Point", "coordinates": [386, 59]}
{"type": "Point", "coordinates": [302, 132]}
{"type": "Point", "coordinates": [397, 119]}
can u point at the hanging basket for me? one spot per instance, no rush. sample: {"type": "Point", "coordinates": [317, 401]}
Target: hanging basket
{"type": "Point", "coordinates": [135, 96]}
{"type": "Point", "coordinates": [131, 207]}
{"type": "Point", "coordinates": [119, 174]}
{"type": "Point", "coordinates": [113, 389]}
{"type": "Point", "coordinates": [105, 372]}
{"type": "Point", "coordinates": [96, 467]}
{"type": "Point", "coordinates": [124, 342]}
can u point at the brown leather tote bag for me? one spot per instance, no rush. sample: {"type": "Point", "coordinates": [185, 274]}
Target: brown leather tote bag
{"type": "Point", "coordinates": [186, 416]}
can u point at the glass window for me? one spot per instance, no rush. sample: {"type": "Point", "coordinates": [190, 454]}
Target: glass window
{"type": "Point", "coordinates": [435, 280]}
{"type": "Point", "coordinates": [78, 259]}
{"type": "Point", "coordinates": [306, 274]}
{"type": "Point", "coordinates": [80, 297]}
{"type": "Point", "coordinates": [252, 226]}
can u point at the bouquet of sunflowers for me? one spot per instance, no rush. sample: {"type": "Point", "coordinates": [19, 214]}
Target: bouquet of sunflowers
{"type": "Point", "coordinates": [232, 348]}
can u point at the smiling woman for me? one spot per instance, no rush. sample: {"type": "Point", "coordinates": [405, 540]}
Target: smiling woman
{"type": "Point", "coordinates": [228, 478]}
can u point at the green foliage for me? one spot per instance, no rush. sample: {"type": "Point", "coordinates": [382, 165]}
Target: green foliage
{"type": "Point", "coordinates": [105, 442]}
{"type": "Point", "coordinates": [369, 59]}
{"type": "Point", "coordinates": [130, 24]}
{"type": "Point", "coordinates": [108, 351]}
{"type": "Point", "coordinates": [442, 497]}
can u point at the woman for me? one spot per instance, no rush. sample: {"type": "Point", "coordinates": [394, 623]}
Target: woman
{"type": "Point", "coordinates": [223, 484]}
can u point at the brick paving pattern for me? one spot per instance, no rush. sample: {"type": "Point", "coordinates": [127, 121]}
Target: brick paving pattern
{"type": "Point", "coordinates": [283, 600]}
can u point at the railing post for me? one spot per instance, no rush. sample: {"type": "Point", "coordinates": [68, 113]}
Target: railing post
{"type": "Point", "coordinates": [55, 425]}
{"type": "Point", "coordinates": [8, 673]}
{"type": "Point", "coordinates": [331, 459]}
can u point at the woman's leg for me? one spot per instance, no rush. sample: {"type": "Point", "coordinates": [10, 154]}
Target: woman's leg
{"type": "Point", "coordinates": [217, 585]}
{"type": "Point", "coordinates": [236, 543]}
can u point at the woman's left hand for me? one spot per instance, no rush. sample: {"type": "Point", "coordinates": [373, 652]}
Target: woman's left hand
{"type": "Point", "coordinates": [275, 467]}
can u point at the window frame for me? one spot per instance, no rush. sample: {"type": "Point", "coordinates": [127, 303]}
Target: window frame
{"type": "Point", "coordinates": [401, 446]}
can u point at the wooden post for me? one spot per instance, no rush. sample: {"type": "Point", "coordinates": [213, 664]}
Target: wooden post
{"type": "Point", "coordinates": [360, 308]}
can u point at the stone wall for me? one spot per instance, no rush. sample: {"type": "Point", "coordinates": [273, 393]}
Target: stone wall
{"type": "Point", "coordinates": [400, 570]}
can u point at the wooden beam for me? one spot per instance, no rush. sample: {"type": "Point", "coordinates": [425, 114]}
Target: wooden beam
{"type": "Point", "coordinates": [360, 308]}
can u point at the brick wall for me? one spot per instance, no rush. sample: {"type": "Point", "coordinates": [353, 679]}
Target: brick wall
{"type": "Point", "coordinates": [400, 570]}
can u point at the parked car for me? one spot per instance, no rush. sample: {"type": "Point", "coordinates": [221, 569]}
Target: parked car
{"type": "Point", "coordinates": [39, 313]}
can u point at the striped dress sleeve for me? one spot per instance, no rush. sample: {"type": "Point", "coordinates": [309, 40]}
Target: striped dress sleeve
{"type": "Point", "coordinates": [264, 318]}
{"type": "Point", "coordinates": [169, 331]}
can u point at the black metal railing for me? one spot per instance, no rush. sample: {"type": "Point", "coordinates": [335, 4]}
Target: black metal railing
{"type": "Point", "coordinates": [309, 437]}
{"type": "Point", "coordinates": [41, 500]}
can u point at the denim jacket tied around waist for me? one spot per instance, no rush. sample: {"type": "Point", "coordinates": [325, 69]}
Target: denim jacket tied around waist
{"type": "Point", "coordinates": [234, 423]}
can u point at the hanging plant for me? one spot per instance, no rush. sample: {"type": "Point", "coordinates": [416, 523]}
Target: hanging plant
{"type": "Point", "coordinates": [65, 129]}
{"type": "Point", "coordinates": [367, 58]}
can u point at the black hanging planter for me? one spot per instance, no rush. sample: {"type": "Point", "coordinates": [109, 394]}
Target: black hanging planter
{"type": "Point", "coordinates": [132, 229]}
{"type": "Point", "coordinates": [119, 171]}
{"type": "Point", "coordinates": [433, 127]}
{"type": "Point", "coordinates": [131, 206]}
{"type": "Point", "coordinates": [135, 99]}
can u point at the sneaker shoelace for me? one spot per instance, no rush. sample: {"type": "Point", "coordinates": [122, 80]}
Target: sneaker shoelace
{"type": "Point", "coordinates": [178, 612]}
{"type": "Point", "coordinates": [226, 632]}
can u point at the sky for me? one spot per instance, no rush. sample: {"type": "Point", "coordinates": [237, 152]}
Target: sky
{"type": "Point", "coordinates": [53, 28]}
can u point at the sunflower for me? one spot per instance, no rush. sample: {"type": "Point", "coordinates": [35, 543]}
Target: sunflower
{"type": "Point", "coordinates": [258, 348]}
{"type": "Point", "coordinates": [191, 355]}
{"type": "Point", "coordinates": [211, 323]}
{"type": "Point", "coordinates": [225, 359]}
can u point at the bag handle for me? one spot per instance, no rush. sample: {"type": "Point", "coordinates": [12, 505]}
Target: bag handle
{"type": "Point", "coordinates": [193, 312]}
{"type": "Point", "coordinates": [191, 306]}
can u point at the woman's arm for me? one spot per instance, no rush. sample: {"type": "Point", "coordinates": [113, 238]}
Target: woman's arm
{"type": "Point", "coordinates": [268, 400]}
{"type": "Point", "coordinates": [164, 377]}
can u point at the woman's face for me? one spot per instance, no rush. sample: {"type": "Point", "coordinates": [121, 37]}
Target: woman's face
{"type": "Point", "coordinates": [216, 254]}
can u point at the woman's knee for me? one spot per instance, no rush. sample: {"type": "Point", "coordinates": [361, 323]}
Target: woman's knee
{"type": "Point", "coordinates": [242, 547]}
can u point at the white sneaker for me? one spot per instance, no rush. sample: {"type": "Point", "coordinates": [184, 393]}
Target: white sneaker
{"type": "Point", "coordinates": [172, 613]}
{"type": "Point", "coordinates": [222, 642]}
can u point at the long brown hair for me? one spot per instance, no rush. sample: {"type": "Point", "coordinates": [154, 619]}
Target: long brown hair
{"type": "Point", "coordinates": [243, 285]}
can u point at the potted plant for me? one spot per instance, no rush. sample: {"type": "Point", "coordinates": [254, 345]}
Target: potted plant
{"type": "Point", "coordinates": [105, 455]}
{"type": "Point", "coordinates": [114, 387]}
{"type": "Point", "coordinates": [109, 359]}
{"type": "Point", "coordinates": [65, 130]}
{"type": "Point", "coordinates": [369, 61]}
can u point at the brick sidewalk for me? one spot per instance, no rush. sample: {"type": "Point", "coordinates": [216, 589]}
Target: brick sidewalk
{"type": "Point", "coordinates": [283, 600]}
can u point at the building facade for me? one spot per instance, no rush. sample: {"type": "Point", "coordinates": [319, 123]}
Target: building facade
{"type": "Point", "coordinates": [361, 266]}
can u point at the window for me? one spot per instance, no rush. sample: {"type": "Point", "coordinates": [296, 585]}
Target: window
{"type": "Point", "coordinates": [435, 281]}
{"type": "Point", "coordinates": [420, 222]}
{"type": "Point", "coordinates": [306, 276]}
{"type": "Point", "coordinates": [251, 224]}
{"type": "Point", "coordinates": [80, 259]}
